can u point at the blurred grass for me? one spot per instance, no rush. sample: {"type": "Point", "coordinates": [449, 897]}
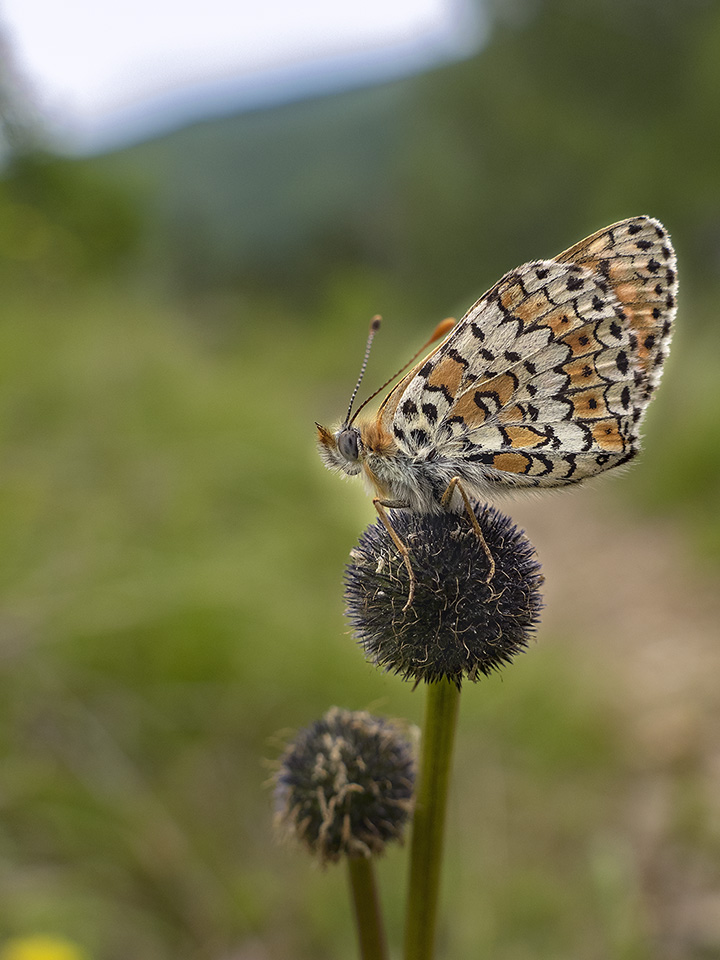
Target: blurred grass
{"type": "Point", "coordinates": [171, 583]}
{"type": "Point", "coordinates": [163, 551]}
{"type": "Point", "coordinates": [173, 549]}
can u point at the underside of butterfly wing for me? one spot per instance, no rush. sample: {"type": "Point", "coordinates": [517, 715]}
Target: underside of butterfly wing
{"type": "Point", "coordinates": [546, 379]}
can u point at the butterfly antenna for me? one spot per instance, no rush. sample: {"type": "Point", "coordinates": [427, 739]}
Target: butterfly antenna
{"type": "Point", "coordinates": [445, 326]}
{"type": "Point", "coordinates": [374, 327]}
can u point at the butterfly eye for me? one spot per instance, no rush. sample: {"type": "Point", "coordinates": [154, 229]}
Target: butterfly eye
{"type": "Point", "coordinates": [347, 441]}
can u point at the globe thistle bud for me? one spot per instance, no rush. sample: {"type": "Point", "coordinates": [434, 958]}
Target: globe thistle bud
{"type": "Point", "coordinates": [458, 624]}
{"type": "Point", "coordinates": [345, 785]}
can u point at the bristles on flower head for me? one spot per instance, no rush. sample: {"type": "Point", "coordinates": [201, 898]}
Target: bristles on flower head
{"type": "Point", "coordinates": [458, 625]}
{"type": "Point", "coordinates": [345, 784]}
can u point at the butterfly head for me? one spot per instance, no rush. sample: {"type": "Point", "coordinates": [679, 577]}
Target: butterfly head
{"type": "Point", "coordinates": [345, 449]}
{"type": "Point", "coordinates": [341, 450]}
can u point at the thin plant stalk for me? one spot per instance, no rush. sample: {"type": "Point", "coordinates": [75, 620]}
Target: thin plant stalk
{"type": "Point", "coordinates": [441, 711]}
{"type": "Point", "coordinates": [366, 903]}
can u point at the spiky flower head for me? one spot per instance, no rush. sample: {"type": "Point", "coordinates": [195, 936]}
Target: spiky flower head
{"type": "Point", "coordinates": [460, 623]}
{"type": "Point", "coordinates": [345, 784]}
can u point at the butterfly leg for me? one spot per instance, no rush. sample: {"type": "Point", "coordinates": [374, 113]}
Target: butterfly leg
{"type": "Point", "coordinates": [454, 485]}
{"type": "Point", "coordinates": [402, 548]}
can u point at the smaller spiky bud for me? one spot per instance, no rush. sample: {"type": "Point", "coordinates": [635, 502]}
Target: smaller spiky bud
{"type": "Point", "coordinates": [459, 624]}
{"type": "Point", "coordinates": [344, 787]}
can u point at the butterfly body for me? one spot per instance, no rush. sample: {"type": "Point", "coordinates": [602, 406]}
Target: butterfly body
{"type": "Point", "coordinates": [544, 382]}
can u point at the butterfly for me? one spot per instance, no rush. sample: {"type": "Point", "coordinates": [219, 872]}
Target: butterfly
{"type": "Point", "coordinates": [544, 382]}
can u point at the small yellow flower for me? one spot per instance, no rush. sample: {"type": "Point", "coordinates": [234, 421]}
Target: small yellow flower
{"type": "Point", "coordinates": [41, 947]}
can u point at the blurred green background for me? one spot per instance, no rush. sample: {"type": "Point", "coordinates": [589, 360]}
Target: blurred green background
{"type": "Point", "coordinates": [175, 315]}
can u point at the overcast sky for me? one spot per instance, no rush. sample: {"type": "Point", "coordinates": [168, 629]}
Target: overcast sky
{"type": "Point", "coordinates": [93, 64]}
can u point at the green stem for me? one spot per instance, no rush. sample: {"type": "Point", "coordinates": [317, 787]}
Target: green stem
{"type": "Point", "coordinates": [368, 918]}
{"type": "Point", "coordinates": [441, 711]}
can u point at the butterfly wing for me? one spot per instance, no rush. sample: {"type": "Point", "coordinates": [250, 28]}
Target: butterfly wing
{"type": "Point", "coordinates": [636, 259]}
{"type": "Point", "coordinates": [546, 379]}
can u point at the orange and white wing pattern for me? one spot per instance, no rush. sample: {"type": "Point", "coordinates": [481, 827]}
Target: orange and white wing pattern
{"type": "Point", "coordinates": [546, 379]}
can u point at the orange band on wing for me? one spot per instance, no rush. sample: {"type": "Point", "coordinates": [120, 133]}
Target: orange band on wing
{"type": "Point", "coordinates": [512, 462]}
{"type": "Point", "coordinates": [607, 436]}
{"type": "Point", "coordinates": [524, 436]}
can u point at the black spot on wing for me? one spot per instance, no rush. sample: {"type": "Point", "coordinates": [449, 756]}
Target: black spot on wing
{"type": "Point", "coordinates": [431, 412]}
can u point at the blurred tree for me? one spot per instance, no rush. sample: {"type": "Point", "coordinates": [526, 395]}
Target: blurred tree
{"type": "Point", "coordinates": [19, 125]}
{"type": "Point", "coordinates": [572, 117]}
{"type": "Point", "coordinates": [58, 218]}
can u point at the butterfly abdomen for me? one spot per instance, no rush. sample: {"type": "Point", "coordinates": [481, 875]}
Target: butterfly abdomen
{"type": "Point", "coordinates": [414, 482]}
